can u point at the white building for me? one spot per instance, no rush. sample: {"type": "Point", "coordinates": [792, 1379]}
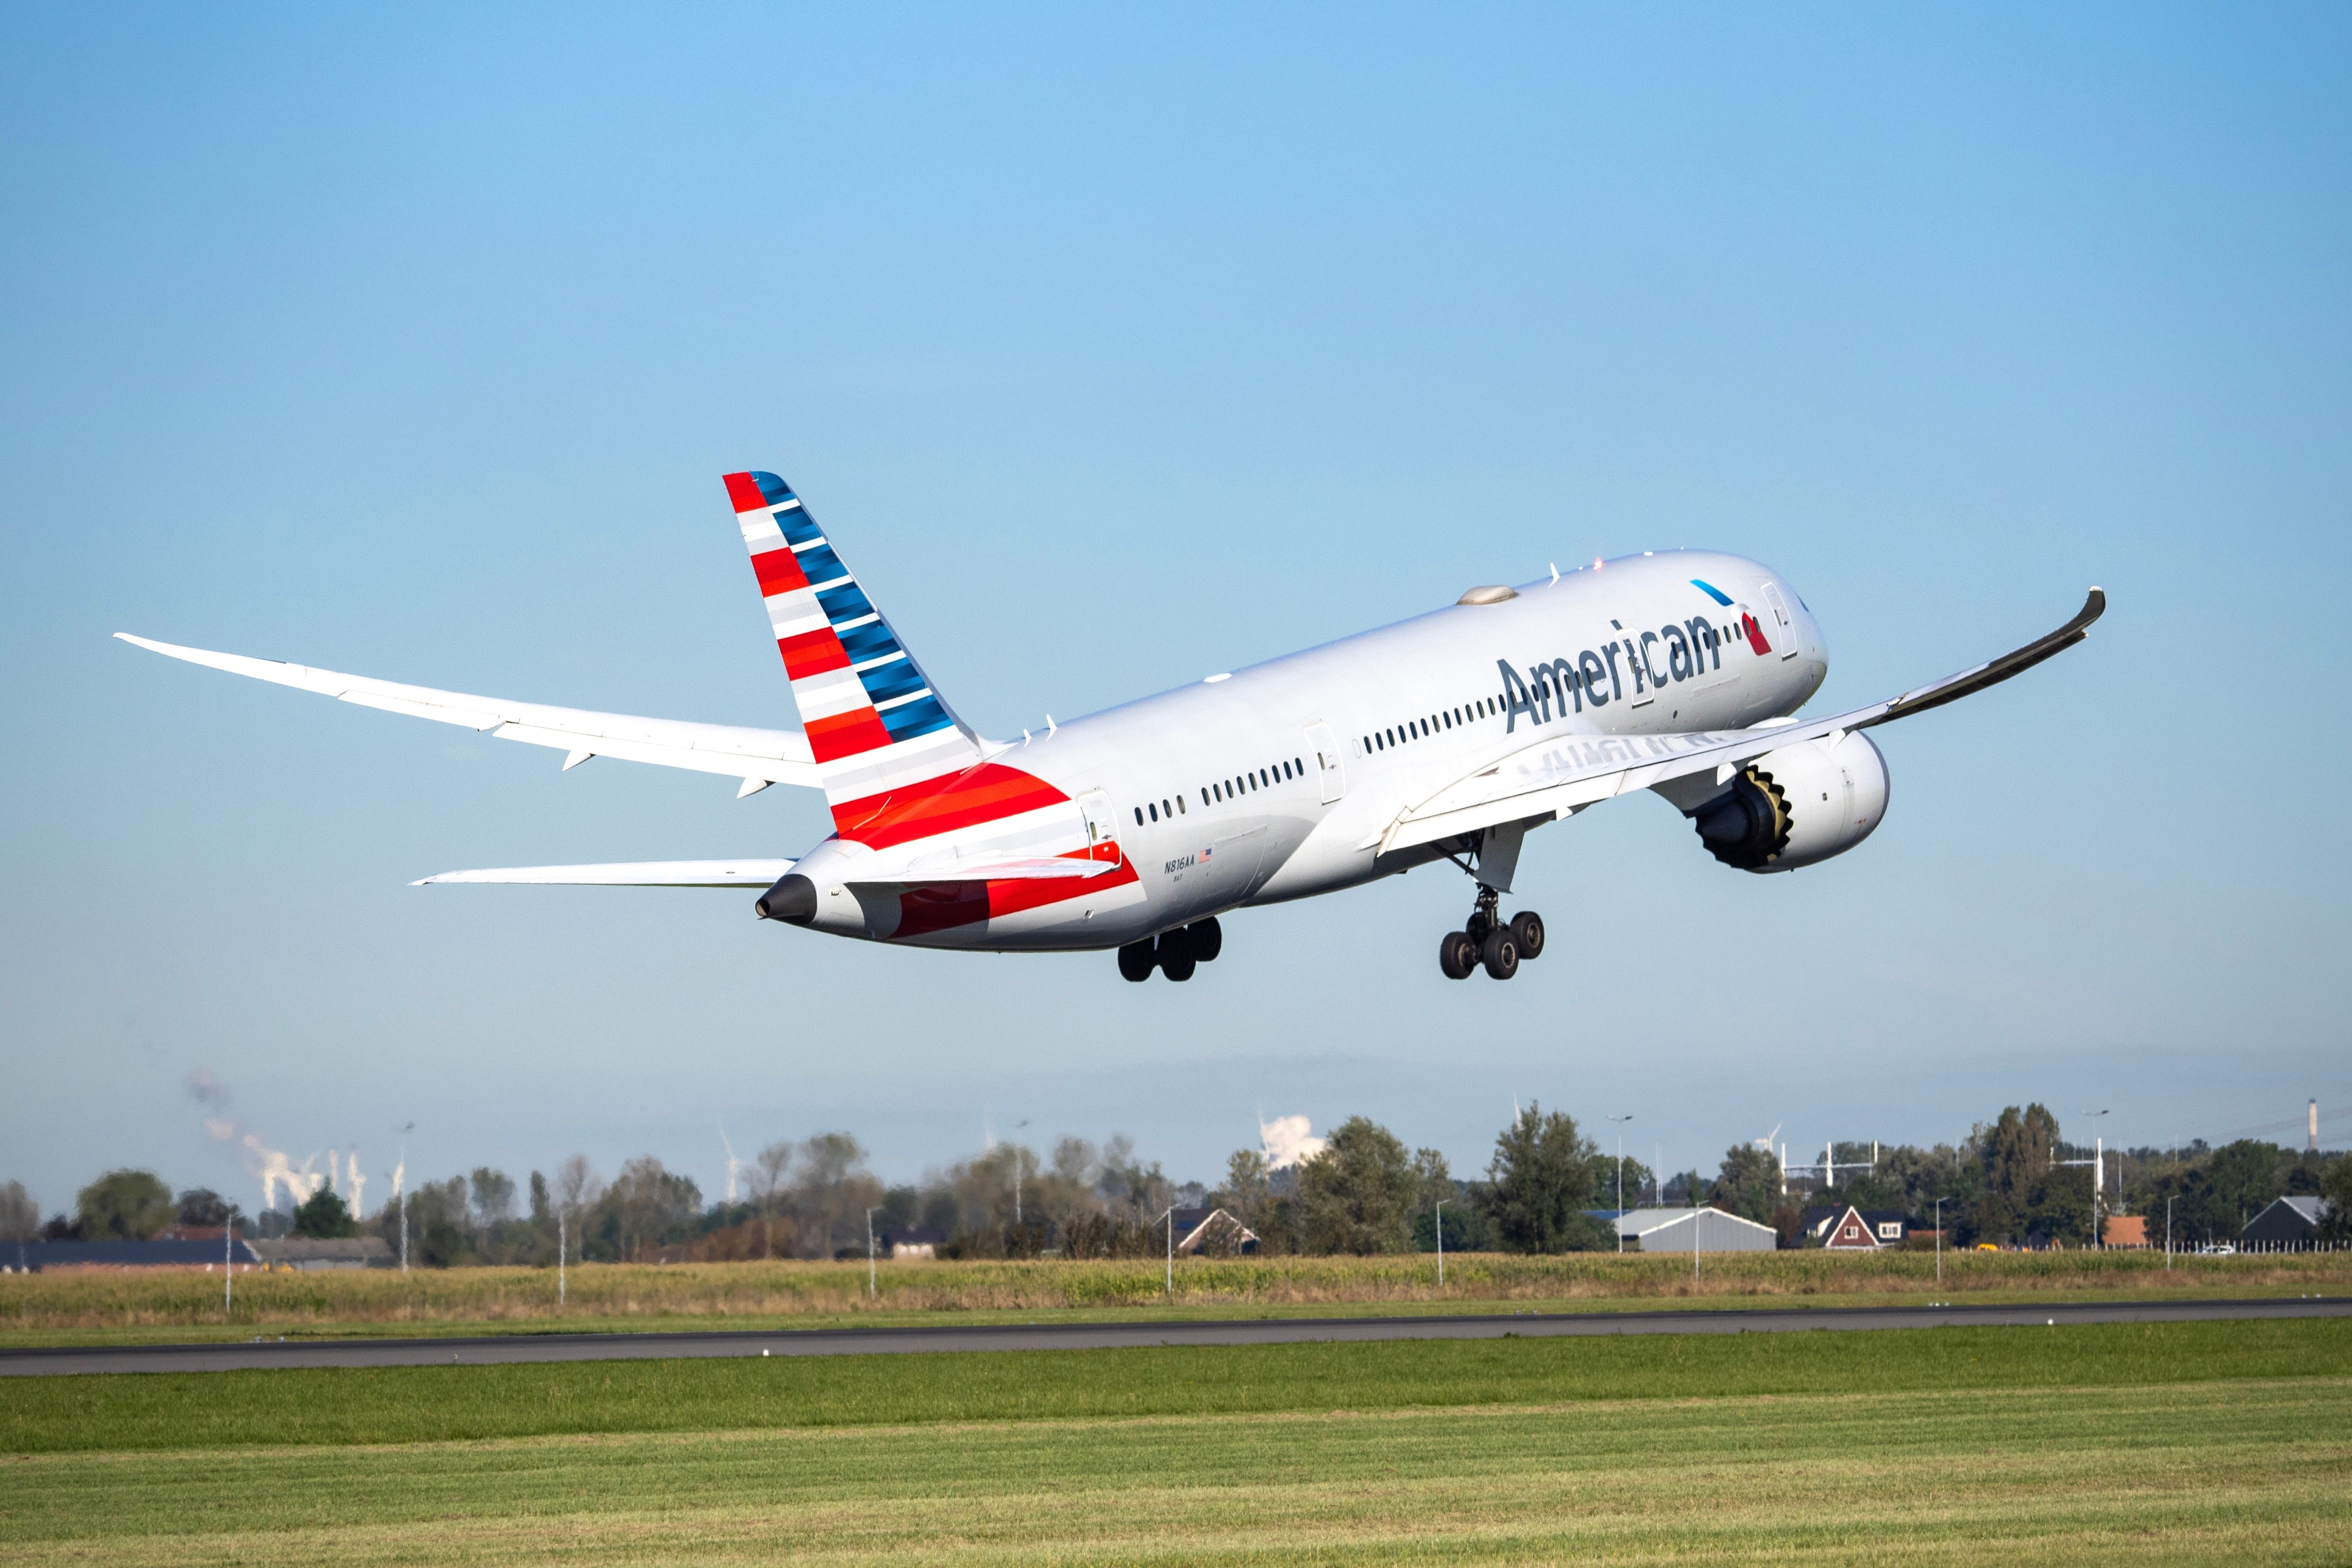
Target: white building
{"type": "Point", "coordinates": [1670, 1230]}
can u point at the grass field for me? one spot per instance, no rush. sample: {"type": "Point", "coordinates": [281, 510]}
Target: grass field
{"type": "Point", "coordinates": [50, 1309]}
{"type": "Point", "coordinates": [2191, 1442]}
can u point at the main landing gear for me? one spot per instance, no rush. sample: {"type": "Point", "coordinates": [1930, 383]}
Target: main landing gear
{"type": "Point", "coordinates": [1175, 954]}
{"type": "Point", "coordinates": [1488, 941]}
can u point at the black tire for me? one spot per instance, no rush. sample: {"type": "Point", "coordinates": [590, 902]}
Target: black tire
{"type": "Point", "coordinates": [1526, 930]}
{"type": "Point", "coordinates": [1208, 938]}
{"type": "Point", "coordinates": [1177, 959]}
{"type": "Point", "coordinates": [1476, 928]}
{"type": "Point", "coordinates": [1457, 955]}
{"type": "Point", "coordinates": [1500, 954]}
{"type": "Point", "coordinates": [1136, 961]}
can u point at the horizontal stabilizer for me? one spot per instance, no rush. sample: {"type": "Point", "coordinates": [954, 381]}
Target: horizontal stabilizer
{"type": "Point", "coordinates": [755, 874]}
{"type": "Point", "coordinates": [768, 756]}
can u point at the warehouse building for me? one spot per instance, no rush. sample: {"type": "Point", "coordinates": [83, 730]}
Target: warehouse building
{"type": "Point", "coordinates": [1675, 1230]}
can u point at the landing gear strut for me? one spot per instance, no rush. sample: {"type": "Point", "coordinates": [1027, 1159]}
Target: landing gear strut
{"type": "Point", "coordinates": [1488, 941]}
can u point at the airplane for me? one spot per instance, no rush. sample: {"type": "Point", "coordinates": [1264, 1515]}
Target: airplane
{"type": "Point", "coordinates": [1440, 739]}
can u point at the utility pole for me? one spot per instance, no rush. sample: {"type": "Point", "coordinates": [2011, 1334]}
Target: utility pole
{"type": "Point", "coordinates": [1170, 1217]}
{"type": "Point", "coordinates": [1441, 1237]}
{"type": "Point", "coordinates": [1939, 1244]}
{"type": "Point", "coordinates": [1620, 1227]}
{"type": "Point", "coordinates": [2167, 1233]}
{"type": "Point", "coordinates": [560, 1238]}
{"type": "Point", "coordinates": [869, 1255]}
{"type": "Point", "coordinates": [228, 1259]}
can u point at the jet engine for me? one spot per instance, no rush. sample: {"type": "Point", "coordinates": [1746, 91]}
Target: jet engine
{"type": "Point", "coordinates": [1798, 805]}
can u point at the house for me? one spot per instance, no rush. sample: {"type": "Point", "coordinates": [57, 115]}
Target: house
{"type": "Point", "coordinates": [196, 1257]}
{"type": "Point", "coordinates": [1850, 1229]}
{"type": "Point", "coordinates": [1685, 1230]}
{"type": "Point", "coordinates": [1213, 1231]}
{"type": "Point", "coordinates": [312, 1252]}
{"type": "Point", "coordinates": [2289, 1225]}
{"type": "Point", "coordinates": [914, 1244]}
{"type": "Point", "coordinates": [2124, 1230]}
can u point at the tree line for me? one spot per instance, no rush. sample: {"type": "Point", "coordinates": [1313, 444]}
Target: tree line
{"type": "Point", "coordinates": [1547, 1187]}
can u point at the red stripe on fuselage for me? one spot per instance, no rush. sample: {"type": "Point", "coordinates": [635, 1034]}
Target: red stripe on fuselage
{"type": "Point", "coordinates": [985, 793]}
{"type": "Point", "coordinates": [931, 906]}
{"type": "Point", "coordinates": [813, 653]}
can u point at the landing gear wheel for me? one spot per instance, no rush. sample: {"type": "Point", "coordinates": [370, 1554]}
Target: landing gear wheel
{"type": "Point", "coordinates": [1208, 938]}
{"type": "Point", "coordinates": [1176, 956]}
{"type": "Point", "coordinates": [1136, 961]}
{"type": "Point", "coordinates": [1500, 954]}
{"type": "Point", "coordinates": [1526, 930]}
{"type": "Point", "coordinates": [1457, 954]}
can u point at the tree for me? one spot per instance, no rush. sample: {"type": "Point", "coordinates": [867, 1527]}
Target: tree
{"type": "Point", "coordinates": [1749, 1184]}
{"type": "Point", "coordinates": [768, 1168]}
{"type": "Point", "coordinates": [125, 1205]}
{"type": "Point", "coordinates": [1540, 1184]}
{"type": "Point", "coordinates": [2014, 1154]}
{"type": "Point", "coordinates": [323, 1214]}
{"type": "Point", "coordinates": [203, 1206]}
{"type": "Point", "coordinates": [1359, 1193]}
{"type": "Point", "coordinates": [20, 1217]}
{"type": "Point", "coordinates": [648, 1205]}
{"type": "Point", "coordinates": [831, 1188]}
{"type": "Point", "coordinates": [1248, 1189]}
{"type": "Point", "coordinates": [2335, 1185]}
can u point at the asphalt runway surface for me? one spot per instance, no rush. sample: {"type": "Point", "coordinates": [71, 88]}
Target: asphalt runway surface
{"type": "Point", "coordinates": [507, 1349]}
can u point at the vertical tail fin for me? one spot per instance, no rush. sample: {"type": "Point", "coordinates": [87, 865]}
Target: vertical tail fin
{"type": "Point", "coordinates": [875, 723]}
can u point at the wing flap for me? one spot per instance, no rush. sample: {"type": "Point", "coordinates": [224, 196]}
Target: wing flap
{"type": "Point", "coordinates": [771, 756]}
{"type": "Point", "coordinates": [756, 874]}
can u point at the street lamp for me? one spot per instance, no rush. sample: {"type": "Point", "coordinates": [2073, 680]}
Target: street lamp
{"type": "Point", "coordinates": [1939, 1244]}
{"type": "Point", "coordinates": [1440, 1241]}
{"type": "Point", "coordinates": [1620, 1227]}
{"type": "Point", "coordinates": [2098, 1181]}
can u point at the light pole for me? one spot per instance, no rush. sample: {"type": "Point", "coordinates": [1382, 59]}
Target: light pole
{"type": "Point", "coordinates": [1440, 1241]}
{"type": "Point", "coordinates": [869, 1255]}
{"type": "Point", "coordinates": [2098, 1181]}
{"type": "Point", "coordinates": [1170, 1217]}
{"type": "Point", "coordinates": [1939, 1244]}
{"type": "Point", "coordinates": [1620, 1225]}
{"type": "Point", "coordinates": [2167, 1233]}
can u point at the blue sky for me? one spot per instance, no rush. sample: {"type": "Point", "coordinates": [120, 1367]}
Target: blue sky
{"type": "Point", "coordinates": [1116, 347]}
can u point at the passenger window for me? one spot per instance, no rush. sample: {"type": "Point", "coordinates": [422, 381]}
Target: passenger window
{"type": "Point", "coordinates": [1155, 813]}
{"type": "Point", "coordinates": [1163, 806]}
{"type": "Point", "coordinates": [1180, 805]}
{"type": "Point", "coordinates": [1138, 816]}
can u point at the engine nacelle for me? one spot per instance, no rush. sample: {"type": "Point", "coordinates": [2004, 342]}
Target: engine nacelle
{"type": "Point", "coordinates": [1798, 805]}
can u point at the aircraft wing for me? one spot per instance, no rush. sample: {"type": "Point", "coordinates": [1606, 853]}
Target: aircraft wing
{"type": "Point", "coordinates": [758, 874]}
{"type": "Point", "coordinates": [1568, 772]}
{"type": "Point", "coordinates": [757, 757]}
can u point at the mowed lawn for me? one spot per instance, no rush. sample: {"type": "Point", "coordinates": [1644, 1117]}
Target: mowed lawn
{"type": "Point", "coordinates": [2170, 1442]}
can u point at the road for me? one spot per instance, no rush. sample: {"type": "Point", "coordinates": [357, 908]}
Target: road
{"type": "Point", "coordinates": [488, 1350]}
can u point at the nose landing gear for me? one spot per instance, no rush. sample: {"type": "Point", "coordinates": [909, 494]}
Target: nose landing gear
{"type": "Point", "coordinates": [1488, 941]}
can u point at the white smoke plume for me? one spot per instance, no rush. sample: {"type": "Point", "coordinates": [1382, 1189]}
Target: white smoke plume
{"type": "Point", "coordinates": [1289, 1140]}
{"type": "Point", "coordinates": [268, 1166]}
{"type": "Point", "coordinates": [355, 1184]}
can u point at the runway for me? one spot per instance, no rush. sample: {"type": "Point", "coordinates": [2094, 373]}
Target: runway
{"type": "Point", "coordinates": [511, 1349]}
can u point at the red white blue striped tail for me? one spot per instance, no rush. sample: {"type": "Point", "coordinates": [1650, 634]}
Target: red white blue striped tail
{"type": "Point", "coordinates": [875, 723]}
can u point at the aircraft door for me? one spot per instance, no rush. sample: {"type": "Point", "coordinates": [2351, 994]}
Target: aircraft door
{"type": "Point", "coordinates": [1102, 824]}
{"type": "Point", "coordinates": [1782, 638]}
{"type": "Point", "coordinates": [1330, 769]}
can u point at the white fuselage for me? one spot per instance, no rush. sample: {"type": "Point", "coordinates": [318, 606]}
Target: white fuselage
{"type": "Point", "coordinates": [1345, 737]}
